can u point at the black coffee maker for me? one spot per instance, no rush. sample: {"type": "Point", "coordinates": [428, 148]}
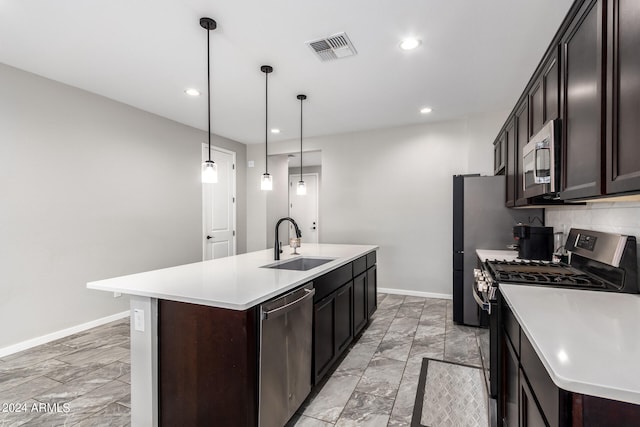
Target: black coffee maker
{"type": "Point", "coordinates": [534, 242]}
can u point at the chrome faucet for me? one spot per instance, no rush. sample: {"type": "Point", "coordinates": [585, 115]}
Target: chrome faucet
{"type": "Point", "coordinates": [276, 247]}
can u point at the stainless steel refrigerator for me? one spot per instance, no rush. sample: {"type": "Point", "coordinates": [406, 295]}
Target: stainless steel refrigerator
{"type": "Point", "coordinates": [480, 221]}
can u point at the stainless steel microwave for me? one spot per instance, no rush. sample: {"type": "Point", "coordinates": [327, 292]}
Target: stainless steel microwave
{"type": "Point", "coordinates": [541, 162]}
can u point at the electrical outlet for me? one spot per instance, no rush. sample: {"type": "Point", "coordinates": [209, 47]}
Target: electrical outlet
{"type": "Point", "coordinates": [117, 294]}
{"type": "Point", "coordinates": [250, 164]}
{"type": "Point", "coordinates": [138, 319]}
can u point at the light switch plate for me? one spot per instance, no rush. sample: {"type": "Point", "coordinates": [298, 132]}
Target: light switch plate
{"type": "Point", "coordinates": [250, 164]}
{"type": "Point", "coordinates": [138, 319]}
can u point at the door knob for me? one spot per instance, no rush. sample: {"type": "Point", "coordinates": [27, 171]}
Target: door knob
{"type": "Point", "coordinates": [209, 237]}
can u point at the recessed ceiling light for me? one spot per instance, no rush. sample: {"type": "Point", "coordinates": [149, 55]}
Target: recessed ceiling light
{"type": "Point", "coordinates": [192, 92]}
{"type": "Point", "coordinates": [425, 110]}
{"type": "Point", "coordinates": [275, 130]}
{"type": "Point", "coordinates": [410, 43]}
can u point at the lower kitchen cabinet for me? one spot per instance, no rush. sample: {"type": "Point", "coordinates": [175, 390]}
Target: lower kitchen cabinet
{"type": "Point", "coordinates": [510, 384]}
{"type": "Point", "coordinates": [344, 317]}
{"type": "Point", "coordinates": [324, 349]}
{"type": "Point", "coordinates": [359, 303]}
{"type": "Point", "coordinates": [528, 397]}
{"type": "Point", "coordinates": [372, 291]}
{"type": "Point", "coordinates": [347, 301]}
{"type": "Point", "coordinates": [530, 414]}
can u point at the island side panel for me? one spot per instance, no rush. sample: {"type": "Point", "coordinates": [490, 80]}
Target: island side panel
{"type": "Point", "coordinates": [144, 361]}
{"type": "Point", "coordinates": [208, 365]}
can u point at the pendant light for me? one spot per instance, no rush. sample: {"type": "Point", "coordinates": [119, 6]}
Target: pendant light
{"type": "Point", "coordinates": [209, 167]}
{"type": "Point", "coordinates": [302, 188]}
{"type": "Point", "coordinates": [267, 180]}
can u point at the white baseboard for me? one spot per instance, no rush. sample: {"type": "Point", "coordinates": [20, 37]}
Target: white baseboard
{"type": "Point", "coordinates": [414, 293]}
{"type": "Point", "coordinates": [33, 342]}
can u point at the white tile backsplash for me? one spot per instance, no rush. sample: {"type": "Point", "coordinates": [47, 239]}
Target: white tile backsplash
{"type": "Point", "coordinates": [620, 217]}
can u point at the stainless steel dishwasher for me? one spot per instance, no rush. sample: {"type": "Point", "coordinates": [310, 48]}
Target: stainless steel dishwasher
{"type": "Point", "coordinates": [285, 355]}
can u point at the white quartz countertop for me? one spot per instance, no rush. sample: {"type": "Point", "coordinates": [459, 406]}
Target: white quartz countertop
{"type": "Point", "coordinates": [236, 282]}
{"type": "Point", "coordinates": [502, 255]}
{"type": "Point", "coordinates": [588, 341]}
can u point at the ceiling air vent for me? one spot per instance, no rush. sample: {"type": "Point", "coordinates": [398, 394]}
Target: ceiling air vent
{"type": "Point", "coordinates": [333, 47]}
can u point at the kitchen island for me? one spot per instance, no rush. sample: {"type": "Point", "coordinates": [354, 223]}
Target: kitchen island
{"type": "Point", "coordinates": [195, 328]}
{"type": "Point", "coordinates": [574, 353]}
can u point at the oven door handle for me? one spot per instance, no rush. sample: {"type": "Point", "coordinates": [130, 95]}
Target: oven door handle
{"type": "Point", "coordinates": [483, 305]}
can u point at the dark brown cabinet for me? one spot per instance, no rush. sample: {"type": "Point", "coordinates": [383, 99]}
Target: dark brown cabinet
{"type": "Point", "coordinates": [347, 300]}
{"type": "Point", "coordinates": [324, 349]}
{"type": "Point", "coordinates": [588, 80]}
{"type": "Point", "coordinates": [359, 303]}
{"type": "Point", "coordinates": [372, 290]}
{"type": "Point", "coordinates": [528, 397]}
{"type": "Point", "coordinates": [510, 384]}
{"type": "Point", "coordinates": [344, 317]}
{"type": "Point", "coordinates": [536, 110]}
{"type": "Point", "coordinates": [582, 106]}
{"type": "Point", "coordinates": [511, 163]}
{"type": "Point", "coordinates": [544, 96]}
{"type": "Point", "coordinates": [521, 132]}
{"type": "Point", "coordinates": [623, 97]}
{"type": "Point", "coordinates": [551, 87]}
{"type": "Point", "coordinates": [499, 154]}
{"type": "Point", "coordinates": [530, 414]}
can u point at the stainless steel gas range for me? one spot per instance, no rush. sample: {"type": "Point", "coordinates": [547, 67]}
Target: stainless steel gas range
{"type": "Point", "coordinates": [599, 261]}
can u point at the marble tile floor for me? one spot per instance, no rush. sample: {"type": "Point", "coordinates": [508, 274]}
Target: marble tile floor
{"type": "Point", "coordinates": [375, 384]}
{"type": "Point", "coordinates": [84, 380]}
{"type": "Point", "coordinates": [81, 380]}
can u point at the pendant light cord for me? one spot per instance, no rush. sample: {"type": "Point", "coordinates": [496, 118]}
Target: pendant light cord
{"type": "Point", "coordinates": [301, 99]}
{"type": "Point", "coordinates": [266, 121]}
{"type": "Point", "coordinates": [209, 93]}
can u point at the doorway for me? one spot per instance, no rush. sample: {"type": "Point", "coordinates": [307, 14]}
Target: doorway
{"type": "Point", "coordinates": [305, 208]}
{"type": "Point", "coordinates": [219, 206]}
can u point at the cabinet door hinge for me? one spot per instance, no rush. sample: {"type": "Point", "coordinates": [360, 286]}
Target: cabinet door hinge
{"type": "Point", "coordinates": [233, 166]}
{"type": "Point", "coordinates": [233, 200]}
{"type": "Point", "coordinates": [234, 232]}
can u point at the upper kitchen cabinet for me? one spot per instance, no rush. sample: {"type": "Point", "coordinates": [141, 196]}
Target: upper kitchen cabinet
{"type": "Point", "coordinates": [623, 97]}
{"type": "Point", "coordinates": [499, 149]}
{"type": "Point", "coordinates": [544, 100]}
{"type": "Point", "coordinates": [582, 111]}
{"type": "Point", "coordinates": [520, 133]}
{"type": "Point", "coordinates": [509, 141]}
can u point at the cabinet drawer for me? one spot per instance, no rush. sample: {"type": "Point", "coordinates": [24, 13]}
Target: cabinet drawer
{"type": "Point", "coordinates": [371, 259]}
{"type": "Point", "coordinates": [359, 265]}
{"type": "Point", "coordinates": [543, 388]}
{"type": "Point", "coordinates": [511, 327]}
{"type": "Point", "coordinates": [331, 281]}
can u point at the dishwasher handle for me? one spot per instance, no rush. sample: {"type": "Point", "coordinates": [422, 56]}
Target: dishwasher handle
{"type": "Point", "coordinates": [290, 306]}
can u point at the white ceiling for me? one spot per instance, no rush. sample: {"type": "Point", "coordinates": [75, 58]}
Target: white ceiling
{"type": "Point", "coordinates": [475, 56]}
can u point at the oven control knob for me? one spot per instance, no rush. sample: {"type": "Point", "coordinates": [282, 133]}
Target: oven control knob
{"type": "Point", "coordinates": [482, 286]}
{"type": "Point", "coordinates": [477, 273]}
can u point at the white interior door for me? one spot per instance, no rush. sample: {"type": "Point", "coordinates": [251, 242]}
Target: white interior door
{"type": "Point", "coordinates": [219, 205]}
{"type": "Point", "coordinates": [304, 209]}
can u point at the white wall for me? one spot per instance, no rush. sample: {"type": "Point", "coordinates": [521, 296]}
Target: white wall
{"type": "Point", "coordinates": [391, 187]}
{"type": "Point", "coordinates": [618, 217]}
{"type": "Point", "coordinates": [90, 189]}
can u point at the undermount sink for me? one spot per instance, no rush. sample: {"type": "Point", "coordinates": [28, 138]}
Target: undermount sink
{"type": "Point", "coordinates": [300, 264]}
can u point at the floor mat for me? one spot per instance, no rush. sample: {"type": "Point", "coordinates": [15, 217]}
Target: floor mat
{"type": "Point", "coordinates": [449, 394]}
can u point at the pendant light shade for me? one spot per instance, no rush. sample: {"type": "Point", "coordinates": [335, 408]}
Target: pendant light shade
{"type": "Point", "coordinates": [209, 167]}
{"type": "Point", "coordinates": [267, 180]}
{"type": "Point", "coordinates": [209, 172]}
{"type": "Point", "coordinates": [302, 187]}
